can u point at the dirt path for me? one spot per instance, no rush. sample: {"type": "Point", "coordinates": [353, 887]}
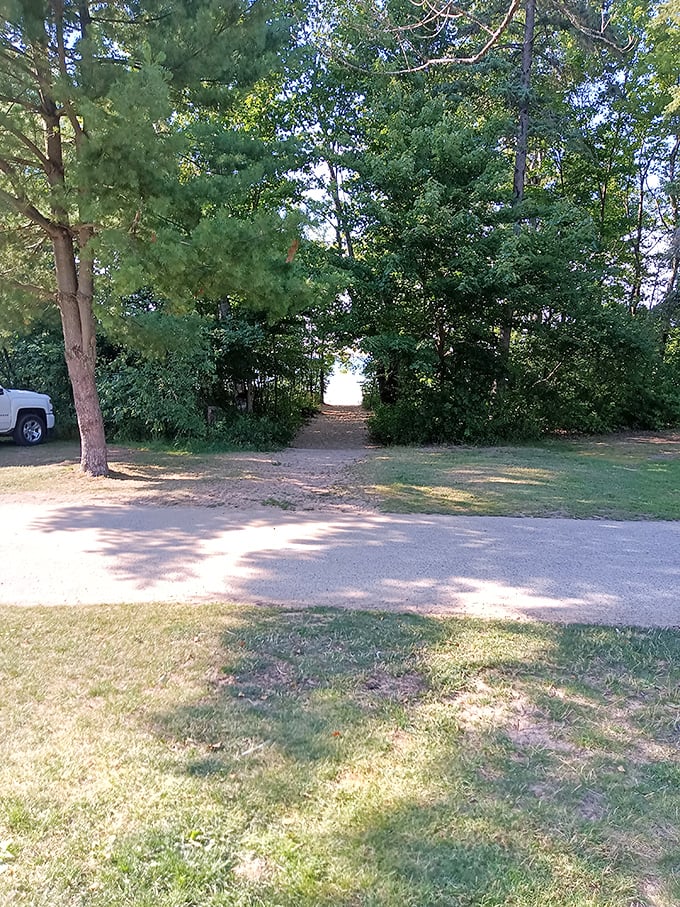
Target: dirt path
{"type": "Point", "coordinates": [314, 474]}
{"type": "Point", "coordinates": [335, 428]}
{"type": "Point", "coordinates": [294, 479]}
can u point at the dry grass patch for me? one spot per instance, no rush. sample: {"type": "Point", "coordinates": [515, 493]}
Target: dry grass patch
{"type": "Point", "coordinates": [296, 479]}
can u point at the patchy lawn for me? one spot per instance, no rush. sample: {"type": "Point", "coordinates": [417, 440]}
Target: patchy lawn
{"type": "Point", "coordinates": [52, 471]}
{"type": "Point", "coordinates": [616, 477]}
{"type": "Point", "coordinates": [292, 479]}
{"type": "Point", "coordinates": [174, 755]}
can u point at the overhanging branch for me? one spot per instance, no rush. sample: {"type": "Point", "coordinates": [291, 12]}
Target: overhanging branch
{"type": "Point", "coordinates": [6, 124]}
{"type": "Point", "coordinates": [431, 24]}
{"type": "Point", "coordinates": [20, 203]}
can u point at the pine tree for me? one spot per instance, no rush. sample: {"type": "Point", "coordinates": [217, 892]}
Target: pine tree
{"type": "Point", "coordinates": [94, 103]}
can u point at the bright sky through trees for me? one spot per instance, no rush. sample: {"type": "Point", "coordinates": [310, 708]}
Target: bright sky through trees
{"type": "Point", "coordinates": [344, 387]}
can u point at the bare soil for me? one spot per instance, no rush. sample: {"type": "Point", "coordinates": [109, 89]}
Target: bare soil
{"type": "Point", "coordinates": [314, 474]}
{"type": "Point", "coordinates": [335, 428]}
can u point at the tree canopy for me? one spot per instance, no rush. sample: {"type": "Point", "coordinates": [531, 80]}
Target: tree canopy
{"type": "Point", "coordinates": [483, 199]}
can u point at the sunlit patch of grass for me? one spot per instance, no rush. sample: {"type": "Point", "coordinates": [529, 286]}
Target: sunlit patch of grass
{"type": "Point", "coordinates": [617, 478]}
{"type": "Point", "coordinates": [179, 755]}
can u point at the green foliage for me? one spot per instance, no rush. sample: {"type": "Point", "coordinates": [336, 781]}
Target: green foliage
{"type": "Point", "coordinates": [250, 431]}
{"type": "Point", "coordinates": [181, 379]}
{"type": "Point", "coordinates": [446, 266]}
{"type": "Point", "coordinates": [120, 74]}
{"type": "Point", "coordinates": [597, 370]}
{"type": "Point", "coordinates": [154, 398]}
{"type": "Point", "coordinates": [217, 136]}
{"type": "Point", "coordinates": [426, 285]}
{"type": "Point", "coordinates": [127, 161]}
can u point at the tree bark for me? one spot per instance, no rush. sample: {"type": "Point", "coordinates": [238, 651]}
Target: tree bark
{"type": "Point", "coordinates": [670, 303]}
{"type": "Point", "coordinates": [74, 298]}
{"type": "Point", "coordinates": [522, 147]}
{"type": "Point", "coordinates": [638, 263]}
{"type": "Point", "coordinates": [74, 266]}
{"type": "Point", "coordinates": [522, 150]}
{"type": "Point", "coordinates": [342, 230]}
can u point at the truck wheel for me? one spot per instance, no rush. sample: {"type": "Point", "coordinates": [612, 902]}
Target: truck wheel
{"type": "Point", "coordinates": [29, 430]}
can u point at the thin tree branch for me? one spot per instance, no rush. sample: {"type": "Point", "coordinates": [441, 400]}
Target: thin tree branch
{"type": "Point", "coordinates": [27, 287]}
{"type": "Point", "coordinates": [11, 56]}
{"type": "Point", "coordinates": [17, 102]}
{"type": "Point", "coordinates": [21, 161]}
{"type": "Point", "coordinates": [547, 377]}
{"type": "Point", "coordinates": [25, 141]}
{"type": "Point", "coordinates": [399, 32]}
{"type": "Point", "coordinates": [63, 69]}
{"type": "Point", "coordinates": [475, 58]}
{"type": "Point", "coordinates": [592, 33]}
{"type": "Point", "coordinates": [23, 206]}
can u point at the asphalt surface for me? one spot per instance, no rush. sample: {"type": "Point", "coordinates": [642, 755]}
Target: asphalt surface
{"type": "Point", "coordinates": [548, 569]}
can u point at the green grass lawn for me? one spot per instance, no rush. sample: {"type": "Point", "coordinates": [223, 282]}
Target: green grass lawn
{"type": "Point", "coordinates": [177, 756]}
{"type": "Point", "coordinates": [614, 477]}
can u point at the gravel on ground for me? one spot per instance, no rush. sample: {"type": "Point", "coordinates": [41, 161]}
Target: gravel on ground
{"type": "Point", "coordinates": [494, 567]}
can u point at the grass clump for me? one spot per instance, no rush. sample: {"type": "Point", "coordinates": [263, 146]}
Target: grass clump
{"type": "Point", "coordinates": [177, 755]}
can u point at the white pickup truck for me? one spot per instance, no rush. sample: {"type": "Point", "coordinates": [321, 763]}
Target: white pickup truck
{"type": "Point", "coordinates": [25, 415]}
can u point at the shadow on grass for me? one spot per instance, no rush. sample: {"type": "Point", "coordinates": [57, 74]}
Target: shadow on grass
{"type": "Point", "coordinates": [137, 476]}
{"type": "Point", "coordinates": [616, 479]}
{"type": "Point", "coordinates": [382, 760]}
{"type": "Point", "coordinates": [53, 453]}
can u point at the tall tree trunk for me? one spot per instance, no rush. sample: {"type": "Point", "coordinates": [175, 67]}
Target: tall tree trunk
{"type": "Point", "coordinates": [635, 297]}
{"type": "Point", "coordinates": [670, 303]}
{"type": "Point", "coordinates": [74, 298]}
{"type": "Point", "coordinates": [74, 267]}
{"type": "Point", "coordinates": [342, 230]}
{"type": "Point", "coordinates": [522, 147]}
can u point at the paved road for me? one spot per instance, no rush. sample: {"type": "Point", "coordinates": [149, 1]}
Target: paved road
{"type": "Point", "coordinates": [563, 570]}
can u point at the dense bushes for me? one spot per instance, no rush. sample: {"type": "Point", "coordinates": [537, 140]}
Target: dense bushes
{"type": "Point", "coordinates": [200, 390]}
{"type": "Point", "coordinates": [602, 371]}
{"type": "Point", "coordinates": [231, 384]}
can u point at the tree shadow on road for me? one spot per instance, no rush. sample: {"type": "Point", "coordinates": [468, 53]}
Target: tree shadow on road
{"type": "Point", "coordinates": [551, 570]}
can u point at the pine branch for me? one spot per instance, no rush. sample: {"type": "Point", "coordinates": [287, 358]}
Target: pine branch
{"type": "Point", "coordinates": [20, 202]}
{"type": "Point", "coordinates": [439, 15]}
{"type": "Point", "coordinates": [6, 124]}
{"type": "Point", "coordinates": [599, 35]}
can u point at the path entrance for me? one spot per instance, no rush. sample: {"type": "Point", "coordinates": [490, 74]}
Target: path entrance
{"type": "Point", "coordinates": [335, 428]}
